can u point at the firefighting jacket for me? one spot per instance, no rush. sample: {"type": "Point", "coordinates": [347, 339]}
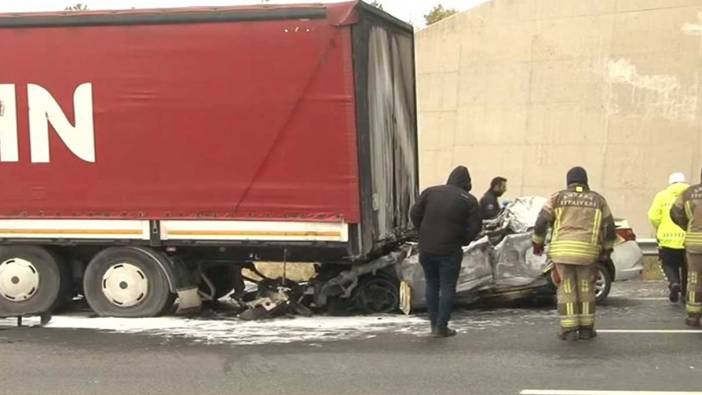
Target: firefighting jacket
{"type": "Point", "coordinates": [687, 213]}
{"type": "Point", "coordinates": [668, 233]}
{"type": "Point", "coordinates": [582, 226]}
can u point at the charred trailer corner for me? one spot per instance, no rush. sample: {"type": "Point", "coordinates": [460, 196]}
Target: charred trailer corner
{"type": "Point", "coordinates": [165, 150]}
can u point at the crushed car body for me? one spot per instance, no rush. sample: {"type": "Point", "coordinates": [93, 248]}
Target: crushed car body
{"type": "Point", "coordinates": [498, 264]}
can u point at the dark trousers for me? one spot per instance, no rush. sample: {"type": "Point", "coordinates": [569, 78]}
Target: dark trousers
{"type": "Point", "coordinates": [441, 273]}
{"type": "Point", "coordinates": [674, 267]}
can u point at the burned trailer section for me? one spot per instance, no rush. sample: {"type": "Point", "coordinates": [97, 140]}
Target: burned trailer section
{"type": "Point", "coordinates": [386, 117]}
{"type": "Point", "coordinates": [187, 159]}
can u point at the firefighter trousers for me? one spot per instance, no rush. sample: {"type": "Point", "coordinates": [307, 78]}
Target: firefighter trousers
{"type": "Point", "coordinates": [576, 296]}
{"type": "Point", "coordinates": [694, 285]}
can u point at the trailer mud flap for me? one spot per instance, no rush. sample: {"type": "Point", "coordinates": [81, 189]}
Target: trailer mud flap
{"type": "Point", "coordinates": [189, 301]}
{"type": "Point", "coordinates": [180, 281]}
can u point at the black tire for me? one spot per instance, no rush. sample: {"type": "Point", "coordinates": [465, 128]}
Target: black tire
{"type": "Point", "coordinates": [603, 283]}
{"type": "Point", "coordinates": [170, 307]}
{"type": "Point", "coordinates": [53, 286]}
{"type": "Point", "coordinates": [157, 298]}
{"type": "Point", "coordinates": [377, 295]}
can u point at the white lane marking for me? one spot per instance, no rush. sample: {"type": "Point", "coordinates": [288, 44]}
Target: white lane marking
{"type": "Point", "coordinates": [592, 392]}
{"type": "Point", "coordinates": [650, 299]}
{"type": "Point", "coordinates": [650, 331]}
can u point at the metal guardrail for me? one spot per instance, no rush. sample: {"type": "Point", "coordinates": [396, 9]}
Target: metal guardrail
{"type": "Point", "coordinates": [648, 246]}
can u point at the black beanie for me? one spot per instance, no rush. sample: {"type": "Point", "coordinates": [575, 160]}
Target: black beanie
{"type": "Point", "coordinates": [577, 175]}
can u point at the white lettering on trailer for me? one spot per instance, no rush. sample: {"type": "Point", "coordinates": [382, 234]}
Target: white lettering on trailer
{"type": "Point", "coordinates": [79, 137]}
{"type": "Point", "coordinates": [43, 109]}
{"type": "Point", "coordinates": [9, 148]}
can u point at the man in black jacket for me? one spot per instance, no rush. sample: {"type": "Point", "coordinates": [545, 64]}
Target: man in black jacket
{"type": "Point", "coordinates": [447, 217]}
{"type": "Point", "coordinates": [489, 205]}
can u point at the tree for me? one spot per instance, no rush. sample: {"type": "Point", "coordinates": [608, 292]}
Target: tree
{"type": "Point", "coordinates": [77, 7]}
{"type": "Point", "coordinates": [376, 4]}
{"type": "Point", "coordinates": [438, 13]}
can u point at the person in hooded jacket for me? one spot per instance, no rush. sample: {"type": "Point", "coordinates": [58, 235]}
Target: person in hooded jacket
{"type": "Point", "coordinates": [670, 237]}
{"type": "Point", "coordinates": [447, 217]}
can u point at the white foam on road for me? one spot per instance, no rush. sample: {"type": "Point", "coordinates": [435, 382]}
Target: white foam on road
{"type": "Point", "coordinates": [235, 331]}
{"type": "Point", "coordinates": [657, 331]}
{"type": "Point", "coordinates": [319, 329]}
{"type": "Point", "coordinates": [223, 329]}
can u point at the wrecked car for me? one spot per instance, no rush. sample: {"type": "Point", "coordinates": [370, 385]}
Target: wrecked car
{"type": "Point", "coordinates": [500, 264]}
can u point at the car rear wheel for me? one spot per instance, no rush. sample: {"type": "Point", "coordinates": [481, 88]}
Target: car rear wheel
{"type": "Point", "coordinates": [603, 283]}
{"type": "Point", "coordinates": [377, 294]}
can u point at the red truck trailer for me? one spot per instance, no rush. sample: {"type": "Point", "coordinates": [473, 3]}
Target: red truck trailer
{"type": "Point", "coordinates": [142, 149]}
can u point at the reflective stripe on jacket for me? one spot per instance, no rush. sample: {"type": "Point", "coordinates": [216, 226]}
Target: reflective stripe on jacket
{"type": "Point", "coordinates": [687, 214]}
{"type": "Point", "coordinates": [582, 226]}
{"type": "Point", "coordinates": [668, 233]}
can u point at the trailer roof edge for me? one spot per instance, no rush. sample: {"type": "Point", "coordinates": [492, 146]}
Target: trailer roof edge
{"type": "Point", "coordinates": [161, 16]}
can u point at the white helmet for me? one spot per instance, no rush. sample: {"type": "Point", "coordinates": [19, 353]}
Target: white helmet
{"type": "Point", "coordinates": [676, 178]}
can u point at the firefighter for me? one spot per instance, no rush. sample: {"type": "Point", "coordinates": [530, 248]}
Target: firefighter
{"type": "Point", "coordinates": [582, 232]}
{"type": "Point", "coordinates": [687, 213]}
{"type": "Point", "coordinates": [670, 237]}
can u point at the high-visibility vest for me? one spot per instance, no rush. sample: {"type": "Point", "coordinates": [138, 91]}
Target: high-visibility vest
{"type": "Point", "coordinates": [668, 233]}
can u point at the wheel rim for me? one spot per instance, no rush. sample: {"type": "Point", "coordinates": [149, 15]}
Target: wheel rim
{"type": "Point", "coordinates": [379, 297]}
{"type": "Point", "coordinates": [125, 285]}
{"type": "Point", "coordinates": [19, 280]}
{"type": "Point", "coordinates": [600, 283]}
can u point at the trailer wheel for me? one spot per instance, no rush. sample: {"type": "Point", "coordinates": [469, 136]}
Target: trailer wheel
{"type": "Point", "coordinates": [32, 281]}
{"type": "Point", "coordinates": [377, 294]}
{"type": "Point", "coordinates": [127, 282]}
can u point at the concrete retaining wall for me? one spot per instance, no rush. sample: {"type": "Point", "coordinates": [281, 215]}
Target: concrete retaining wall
{"type": "Point", "coordinates": [528, 88]}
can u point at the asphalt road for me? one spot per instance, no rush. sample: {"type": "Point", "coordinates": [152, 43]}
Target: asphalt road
{"type": "Point", "coordinates": [498, 351]}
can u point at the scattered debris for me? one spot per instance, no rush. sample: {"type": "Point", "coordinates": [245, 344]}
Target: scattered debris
{"type": "Point", "coordinates": [276, 297]}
